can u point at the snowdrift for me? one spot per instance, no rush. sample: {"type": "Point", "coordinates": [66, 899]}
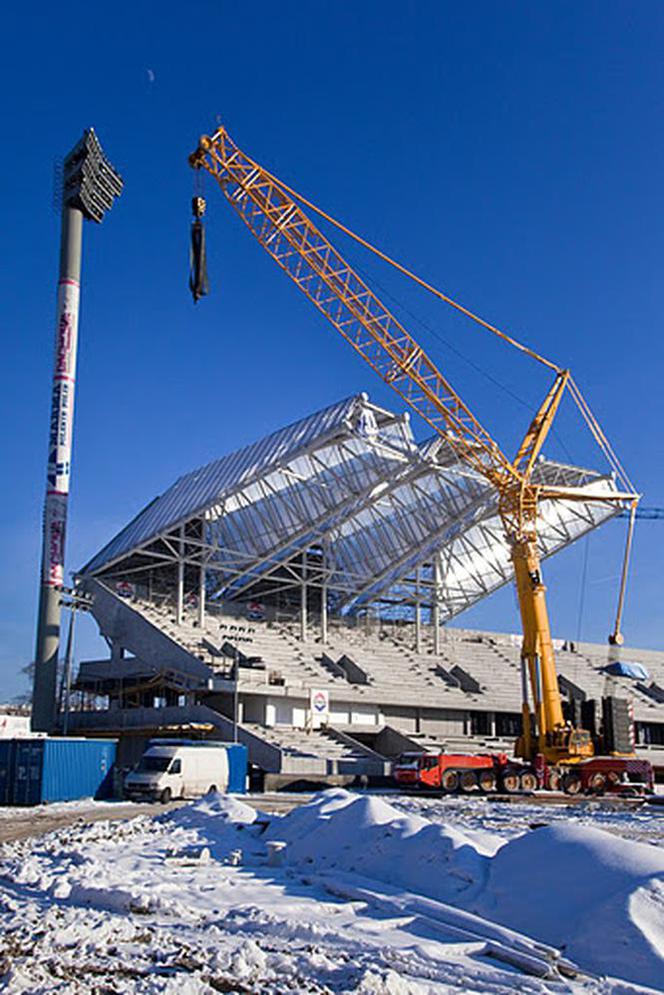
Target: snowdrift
{"type": "Point", "coordinates": [364, 835]}
{"type": "Point", "coordinates": [598, 897]}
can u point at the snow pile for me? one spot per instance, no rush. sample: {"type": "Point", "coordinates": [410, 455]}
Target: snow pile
{"type": "Point", "coordinates": [370, 901]}
{"type": "Point", "coordinates": [599, 897]}
{"type": "Point", "coordinates": [339, 831]}
{"type": "Point", "coordinates": [213, 807]}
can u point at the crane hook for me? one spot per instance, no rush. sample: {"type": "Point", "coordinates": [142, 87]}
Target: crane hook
{"type": "Point", "coordinates": [198, 279]}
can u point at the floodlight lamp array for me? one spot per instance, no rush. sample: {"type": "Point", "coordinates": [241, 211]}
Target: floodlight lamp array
{"type": "Point", "coordinates": [90, 182]}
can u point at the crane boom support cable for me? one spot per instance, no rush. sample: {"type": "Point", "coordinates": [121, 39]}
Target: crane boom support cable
{"type": "Point", "coordinates": [598, 434]}
{"type": "Point", "coordinates": [587, 413]}
{"type": "Point", "coordinates": [413, 276]}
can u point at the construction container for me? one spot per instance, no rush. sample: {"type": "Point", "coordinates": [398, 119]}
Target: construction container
{"type": "Point", "coordinates": [237, 768]}
{"type": "Point", "coordinates": [6, 764]}
{"type": "Point", "coordinates": [57, 770]}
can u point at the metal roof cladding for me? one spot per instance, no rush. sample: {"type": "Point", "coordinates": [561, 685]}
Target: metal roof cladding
{"type": "Point", "coordinates": [196, 491]}
{"type": "Point", "coordinates": [350, 476]}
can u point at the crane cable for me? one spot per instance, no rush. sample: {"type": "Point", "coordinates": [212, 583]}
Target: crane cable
{"type": "Point", "coordinates": [413, 276]}
{"type": "Point", "coordinates": [580, 401]}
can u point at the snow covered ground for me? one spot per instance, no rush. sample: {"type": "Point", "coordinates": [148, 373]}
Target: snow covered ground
{"type": "Point", "coordinates": [350, 893]}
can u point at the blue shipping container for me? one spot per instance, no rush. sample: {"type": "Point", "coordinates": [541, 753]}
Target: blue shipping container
{"type": "Point", "coordinates": [6, 765]}
{"type": "Point", "coordinates": [61, 770]}
{"type": "Point", "coordinates": [237, 768]}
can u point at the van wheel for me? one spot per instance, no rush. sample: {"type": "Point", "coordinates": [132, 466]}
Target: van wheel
{"type": "Point", "coordinates": [165, 796]}
{"type": "Point", "coordinates": [212, 789]}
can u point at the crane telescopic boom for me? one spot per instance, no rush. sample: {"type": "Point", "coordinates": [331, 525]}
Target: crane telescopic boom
{"type": "Point", "coordinates": [271, 212]}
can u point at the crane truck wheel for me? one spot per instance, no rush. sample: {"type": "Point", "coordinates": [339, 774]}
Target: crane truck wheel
{"type": "Point", "coordinates": [487, 780]}
{"type": "Point", "coordinates": [468, 780]}
{"type": "Point", "coordinates": [511, 781]}
{"type": "Point", "coordinates": [554, 780]}
{"type": "Point", "coordinates": [449, 781]}
{"type": "Point", "coordinates": [572, 784]}
{"type": "Point", "coordinates": [528, 781]}
{"type": "Point", "coordinates": [597, 783]}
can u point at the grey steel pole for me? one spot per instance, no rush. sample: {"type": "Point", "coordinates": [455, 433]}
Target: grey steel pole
{"type": "Point", "coordinates": [58, 472]}
{"type": "Point", "coordinates": [90, 186]}
{"type": "Point", "coordinates": [69, 654]}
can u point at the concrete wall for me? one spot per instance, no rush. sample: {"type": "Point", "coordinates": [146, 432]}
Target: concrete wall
{"type": "Point", "coordinates": [441, 722]}
{"type": "Point", "coordinates": [345, 714]}
{"type": "Point", "coordinates": [403, 718]}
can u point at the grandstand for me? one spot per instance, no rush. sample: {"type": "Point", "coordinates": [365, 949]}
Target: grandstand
{"type": "Point", "coordinates": [329, 556]}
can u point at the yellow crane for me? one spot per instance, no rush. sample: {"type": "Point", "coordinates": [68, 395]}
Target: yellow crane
{"type": "Point", "coordinates": [273, 213]}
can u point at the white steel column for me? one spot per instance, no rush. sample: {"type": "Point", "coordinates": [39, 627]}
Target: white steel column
{"type": "Point", "coordinates": [323, 598]}
{"type": "Point", "coordinates": [179, 608]}
{"type": "Point", "coordinates": [323, 614]}
{"type": "Point", "coordinates": [418, 615]}
{"type": "Point", "coordinates": [436, 605]}
{"type": "Point", "coordinates": [201, 596]}
{"type": "Point", "coordinates": [303, 599]}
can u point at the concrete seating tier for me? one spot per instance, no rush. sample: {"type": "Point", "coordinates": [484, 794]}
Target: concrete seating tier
{"type": "Point", "coordinates": [394, 670]}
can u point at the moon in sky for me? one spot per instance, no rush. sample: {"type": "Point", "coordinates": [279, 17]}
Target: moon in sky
{"type": "Point", "coordinates": [151, 75]}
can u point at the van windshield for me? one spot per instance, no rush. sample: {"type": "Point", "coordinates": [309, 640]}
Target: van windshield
{"type": "Point", "coordinates": [153, 764]}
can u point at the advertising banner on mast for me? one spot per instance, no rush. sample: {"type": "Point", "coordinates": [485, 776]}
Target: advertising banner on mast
{"type": "Point", "coordinates": [60, 434]}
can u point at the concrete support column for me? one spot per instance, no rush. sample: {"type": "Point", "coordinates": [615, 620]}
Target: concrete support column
{"type": "Point", "coordinates": [179, 605]}
{"type": "Point", "coordinates": [117, 651]}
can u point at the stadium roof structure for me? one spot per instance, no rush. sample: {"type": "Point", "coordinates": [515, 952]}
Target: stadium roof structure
{"type": "Point", "coordinates": [344, 503]}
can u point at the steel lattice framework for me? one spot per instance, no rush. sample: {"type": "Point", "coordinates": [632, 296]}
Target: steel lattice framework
{"type": "Point", "coordinates": [347, 503]}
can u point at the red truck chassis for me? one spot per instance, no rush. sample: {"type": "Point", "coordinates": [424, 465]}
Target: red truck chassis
{"type": "Point", "coordinates": [489, 772]}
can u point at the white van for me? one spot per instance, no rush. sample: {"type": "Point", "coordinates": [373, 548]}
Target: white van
{"type": "Point", "coordinates": [173, 771]}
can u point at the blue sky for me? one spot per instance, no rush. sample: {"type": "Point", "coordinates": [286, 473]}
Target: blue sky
{"type": "Point", "coordinates": [512, 153]}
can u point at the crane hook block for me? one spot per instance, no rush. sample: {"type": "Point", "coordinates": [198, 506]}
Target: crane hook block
{"type": "Point", "coordinates": [198, 279]}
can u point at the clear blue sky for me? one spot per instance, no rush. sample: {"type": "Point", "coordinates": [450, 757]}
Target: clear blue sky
{"type": "Point", "coordinates": [510, 152]}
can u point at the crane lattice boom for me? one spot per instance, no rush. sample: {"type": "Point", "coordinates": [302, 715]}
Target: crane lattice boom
{"type": "Point", "coordinates": [275, 218]}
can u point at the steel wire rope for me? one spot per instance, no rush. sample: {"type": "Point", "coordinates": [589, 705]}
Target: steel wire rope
{"type": "Point", "coordinates": [453, 349]}
{"type": "Point", "coordinates": [582, 588]}
{"type": "Point", "coordinates": [413, 276]}
{"type": "Point", "coordinates": [580, 401]}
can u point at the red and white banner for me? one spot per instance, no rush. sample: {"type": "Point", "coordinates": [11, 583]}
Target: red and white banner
{"type": "Point", "coordinates": [60, 435]}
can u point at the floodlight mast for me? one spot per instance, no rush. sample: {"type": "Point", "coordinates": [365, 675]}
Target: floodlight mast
{"type": "Point", "coordinates": [89, 189]}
